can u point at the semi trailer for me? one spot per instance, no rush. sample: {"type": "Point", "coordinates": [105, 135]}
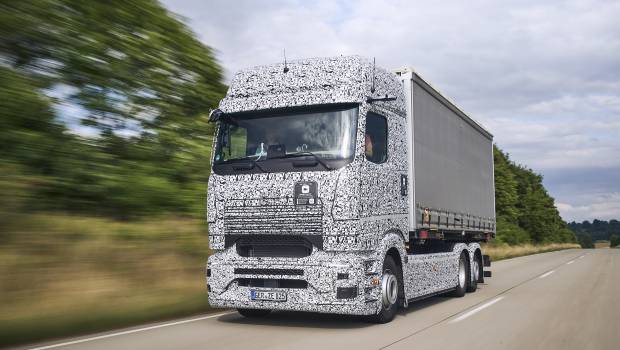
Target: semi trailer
{"type": "Point", "coordinates": [341, 187]}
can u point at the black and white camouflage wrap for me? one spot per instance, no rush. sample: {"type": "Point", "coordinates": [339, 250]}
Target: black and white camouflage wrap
{"type": "Point", "coordinates": [363, 212]}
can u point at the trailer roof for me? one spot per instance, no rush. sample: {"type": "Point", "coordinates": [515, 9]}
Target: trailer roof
{"type": "Point", "coordinates": [423, 83]}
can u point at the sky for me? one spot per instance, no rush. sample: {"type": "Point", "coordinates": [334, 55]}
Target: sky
{"type": "Point", "coordinates": [544, 77]}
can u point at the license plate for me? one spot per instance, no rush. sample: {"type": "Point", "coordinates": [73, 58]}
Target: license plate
{"type": "Point", "coordinates": [267, 295]}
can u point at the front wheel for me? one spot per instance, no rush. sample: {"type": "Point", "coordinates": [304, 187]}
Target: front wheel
{"type": "Point", "coordinates": [391, 281]}
{"type": "Point", "coordinates": [253, 313]}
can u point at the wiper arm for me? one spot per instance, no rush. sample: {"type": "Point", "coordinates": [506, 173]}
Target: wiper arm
{"type": "Point", "coordinates": [308, 153]}
{"type": "Point", "coordinates": [253, 163]}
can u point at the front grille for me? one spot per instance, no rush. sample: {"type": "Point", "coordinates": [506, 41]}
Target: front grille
{"type": "Point", "coordinates": [249, 271]}
{"type": "Point", "coordinates": [272, 216]}
{"type": "Point", "coordinates": [274, 246]}
{"type": "Point", "coordinates": [272, 283]}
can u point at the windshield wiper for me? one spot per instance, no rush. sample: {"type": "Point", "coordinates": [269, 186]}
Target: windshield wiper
{"type": "Point", "coordinates": [308, 153]}
{"type": "Point", "coordinates": [247, 166]}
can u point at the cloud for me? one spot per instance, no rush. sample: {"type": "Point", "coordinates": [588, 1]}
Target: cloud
{"type": "Point", "coordinates": [543, 76]}
{"type": "Point", "coordinates": [553, 143]}
{"type": "Point", "coordinates": [602, 207]}
{"type": "Point", "coordinates": [570, 103]}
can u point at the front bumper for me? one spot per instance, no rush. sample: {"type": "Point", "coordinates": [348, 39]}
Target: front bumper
{"type": "Point", "coordinates": [330, 278]}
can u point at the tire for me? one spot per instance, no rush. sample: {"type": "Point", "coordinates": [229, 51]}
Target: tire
{"type": "Point", "coordinates": [391, 291]}
{"type": "Point", "coordinates": [253, 313]}
{"type": "Point", "coordinates": [463, 271]}
{"type": "Point", "coordinates": [474, 275]}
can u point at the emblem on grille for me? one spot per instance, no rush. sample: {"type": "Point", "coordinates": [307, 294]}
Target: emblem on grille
{"type": "Point", "coordinates": [305, 193]}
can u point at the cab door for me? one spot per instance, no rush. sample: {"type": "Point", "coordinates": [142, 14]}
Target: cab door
{"type": "Point", "coordinates": [384, 170]}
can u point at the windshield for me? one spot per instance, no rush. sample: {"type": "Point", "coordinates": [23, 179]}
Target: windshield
{"type": "Point", "coordinates": [323, 135]}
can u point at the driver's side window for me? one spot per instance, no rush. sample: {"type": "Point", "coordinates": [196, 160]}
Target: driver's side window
{"type": "Point", "coordinates": [238, 142]}
{"type": "Point", "coordinates": [234, 143]}
{"type": "Point", "coordinates": [376, 138]}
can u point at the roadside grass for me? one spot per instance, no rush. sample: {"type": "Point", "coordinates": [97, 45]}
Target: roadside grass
{"type": "Point", "coordinates": [64, 275]}
{"type": "Point", "coordinates": [601, 244]}
{"type": "Point", "coordinates": [504, 251]}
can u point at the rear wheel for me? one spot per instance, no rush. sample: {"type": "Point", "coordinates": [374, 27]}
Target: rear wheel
{"type": "Point", "coordinates": [462, 277]}
{"type": "Point", "coordinates": [253, 312]}
{"type": "Point", "coordinates": [391, 281]}
{"type": "Point", "coordinates": [474, 275]}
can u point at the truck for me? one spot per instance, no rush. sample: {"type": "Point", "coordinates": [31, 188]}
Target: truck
{"type": "Point", "coordinates": [340, 187]}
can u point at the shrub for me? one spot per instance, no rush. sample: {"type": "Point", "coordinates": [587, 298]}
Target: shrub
{"type": "Point", "coordinates": [585, 241]}
{"type": "Point", "coordinates": [510, 233]}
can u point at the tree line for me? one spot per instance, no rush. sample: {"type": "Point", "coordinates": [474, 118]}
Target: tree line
{"type": "Point", "coordinates": [598, 230]}
{"type": "Point", "coordinates": [525, 211]}
{"type": "Point", "coordinates": [135, 76]}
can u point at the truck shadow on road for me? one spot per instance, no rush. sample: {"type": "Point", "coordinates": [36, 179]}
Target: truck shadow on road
{"type": "Point", "coordinates": [323, 321]}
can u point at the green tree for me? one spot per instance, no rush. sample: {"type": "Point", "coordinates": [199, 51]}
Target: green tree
{"type": "Point", "coordinates": [614, 240]}
{"type": "Point", "coordinates": [33, 144]}
{"type": "Point", "coordinates": [598, 229]}
{"type": "Point", "coordinates": [525, 211]}
{"type": "Point", "coordinates": [28, 132]}
{"type": "Point", "coordinates": [142, 80]}
{"type": "Point", "coordinates": [506, 196]}
{"type": "Point", "coordinates": [511, 233]}
{"type": "Point", "coordinates": [131, 64]}
{"type": "Point", "coordinates": [585, 241]}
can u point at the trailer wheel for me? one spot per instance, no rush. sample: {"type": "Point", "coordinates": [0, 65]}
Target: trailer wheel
{"type": "Point", "coordinates": [391, 281]}
{"type": "Point", "coordinates": [474, 275]}
{"type": "Point", "coordinates": [253, 313]}
{"type": "Point", "coordinates": [463, 271]}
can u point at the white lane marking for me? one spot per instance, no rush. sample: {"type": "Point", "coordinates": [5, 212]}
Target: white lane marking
{"type": "Point", "coordinates": [128, 332]}
{"type": "Point", "coordinates": [583, 256]}
{"type": "Point", "coordinates": [475, 310]}
{"type": "Point", "coordinates": [546, 274]}
{"type": "Point", "coordinates": [570, 262]}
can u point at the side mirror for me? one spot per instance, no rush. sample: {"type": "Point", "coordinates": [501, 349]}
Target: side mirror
{"type": "Point", "coordinates": [215, 115]}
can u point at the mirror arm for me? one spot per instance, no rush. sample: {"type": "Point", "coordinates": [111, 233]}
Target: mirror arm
{"type": "Point", "coordinates": [371, 99]}
{"type": "Point", "coordinates": [215, 115]}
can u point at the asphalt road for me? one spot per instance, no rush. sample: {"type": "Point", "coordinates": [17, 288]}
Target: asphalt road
{"type": "Point", "coordinates": [560, 300]}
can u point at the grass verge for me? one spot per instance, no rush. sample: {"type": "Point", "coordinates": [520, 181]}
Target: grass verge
{"type": "Point", "coordinates": [63, 275]}
{"type": "Point", "coordinates": [504, 251]}
{"type": "Point", "coordinates": [601, 244]}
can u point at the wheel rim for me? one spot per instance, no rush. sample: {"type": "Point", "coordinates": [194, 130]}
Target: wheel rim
{"type": "Point", "coordinates": [461, 273]}
{"type": "Point", "coordinates": [389, 289]}
{"type": "Point", "coordinates": [476, 270]}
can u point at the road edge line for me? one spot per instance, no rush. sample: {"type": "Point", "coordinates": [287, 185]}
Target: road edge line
{"type": "Point", "coordinates": [78, 341]}
{"type": "Point", "coordinates": [546, 274]}
{"type": "Point", "coordinates": [476, 310]}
